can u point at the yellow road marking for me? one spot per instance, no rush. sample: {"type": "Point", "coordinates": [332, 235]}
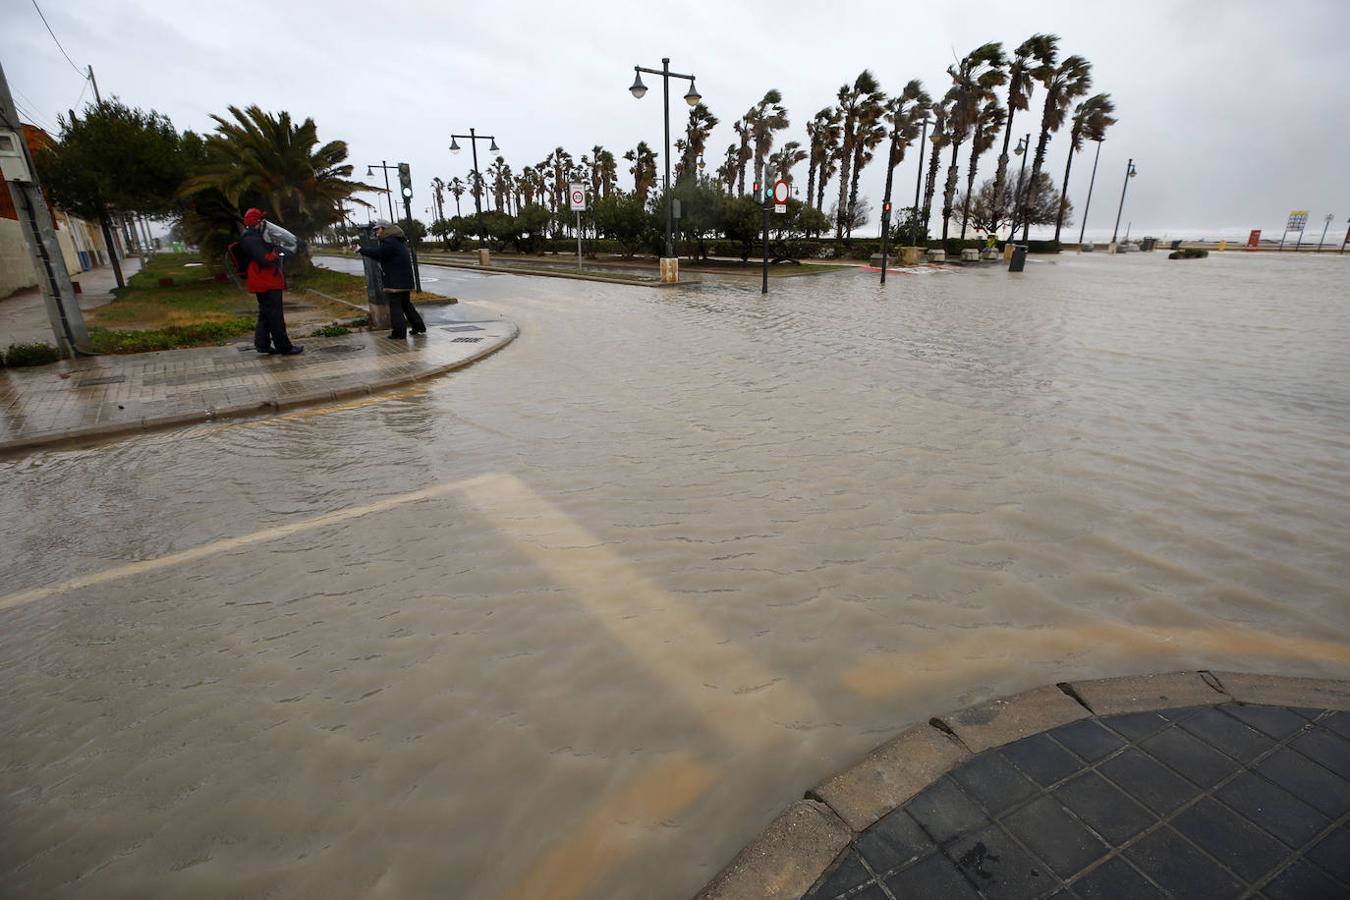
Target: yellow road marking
{"type": "Point", "coordinates": [628, 815]}
{"type": "Point", "coordinates": [224, 545]}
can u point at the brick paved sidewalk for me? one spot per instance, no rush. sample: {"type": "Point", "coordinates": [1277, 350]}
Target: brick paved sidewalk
{"type": "Point", "coordinates": [107, 395]}
{"type": "Point", "coordinates": [1181, 785]}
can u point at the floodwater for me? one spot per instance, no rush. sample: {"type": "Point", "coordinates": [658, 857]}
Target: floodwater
{"type": "Point", "coordinates": [580, 620]}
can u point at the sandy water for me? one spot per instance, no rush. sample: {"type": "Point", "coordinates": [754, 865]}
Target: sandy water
{"type": "Point", "coordinates": [623, 590]}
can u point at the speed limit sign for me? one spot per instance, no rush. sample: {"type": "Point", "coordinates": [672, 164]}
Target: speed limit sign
{"type": "Point", "coordinates": [577, 194]}
{"type": "Point", "coordinates": [780, 195]}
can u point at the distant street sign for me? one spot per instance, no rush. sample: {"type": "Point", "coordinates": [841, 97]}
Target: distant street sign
{"type": "Point", "coordinates": [1298, 220]}
{"type": "Point", "coordinates": [577, 194]}
{"type": "Point", "coordinates": [1254, 239]}
{"type": "Point", "coordinates": [781, 191]}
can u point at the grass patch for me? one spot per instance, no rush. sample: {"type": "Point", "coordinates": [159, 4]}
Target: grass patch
{"type": "Point", "coordinates": [330, 331]}
{"type": "Point", "coordinates": [170, 337]}
{"type": "Point", "coordinates": [21, 355]}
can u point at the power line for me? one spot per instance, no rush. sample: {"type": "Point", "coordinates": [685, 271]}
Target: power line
{"type": "Point", "coordinates": [58, 42]}
{"type": "Point", "coordinates": [32, 110]}
{"type": "Point", "coordinates": [32, 116]}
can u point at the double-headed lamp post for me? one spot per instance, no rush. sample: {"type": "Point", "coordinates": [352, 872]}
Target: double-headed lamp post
{"type": "Point", "coordinates": [388, 193]}
{"type": "Point", "coordinates": [1130, 172]}
{"type": "Point", "coordinates": [639, 90]}
{"type": "Point", "coordinates": [1019, 205]}
{"type": "Point", "coordinates": [473, 138]}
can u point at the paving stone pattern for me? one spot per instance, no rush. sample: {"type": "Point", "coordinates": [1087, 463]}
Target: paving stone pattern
{"type": "Point", "coordinates": [1212, 801]}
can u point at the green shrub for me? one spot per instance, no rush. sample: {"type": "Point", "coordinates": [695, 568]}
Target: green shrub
{"type": "Point", "coordinates": [39, 354]}
{"type": "Point", "coordinates": [1188, 253]}
{"type": "Point", "coordinates": [174, 336]}
{"type": "Point", "coordinates": [330, 331]}
{"type": "Point", "coordinates": [360, 322]}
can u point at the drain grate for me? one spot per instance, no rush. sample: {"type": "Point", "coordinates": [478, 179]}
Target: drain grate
{"type": "Point", "coordinates": [460, 328]}
{"type": "Point", "coordinates": [103, 379]}
{"type": "Point", "coordinates": [337, 348]}
{"type": "Point", "coordinates": [466, 340]}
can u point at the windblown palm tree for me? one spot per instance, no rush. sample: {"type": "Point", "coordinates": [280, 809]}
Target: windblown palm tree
{"type": "Point", "coordinates": [973, 81]}
{"type": "Point", "coordinates": [869, 134]}
{"type": "Point", "coordinates": [726, 172]}
{"type": "Point", "coordinates": [457, 188]}
{"type": "Point", "coordinates": [987, 127]}
{"type": "Point", "coordinates": [1031, 62]}
{"type": "Point", "coordinates": [1090, 121]}
{"type": "Point", "coordinates": [857, 101]}
{"type": "Point", "coordinates": [501, 183]}
{"type": "Point", "coordinates": [643, 170]}
{"type": "Point", "coordinates": [905, 113]}
{"type": "Point", "coordinates": [438, 194]}
{"type": "Point", "coordinates": [696, 133]}
{"type": "Point", "coordinates": [1064, 83]}
{"type": "Point", "coordinates": [259, 159]}
{"type": "Point", "coordinates": [823, 136]}
{"type": "Point", "coordinates": [608, 169]}
{"type": "Point", "coordinates": [476, 186]}
{"type": "Point", "coordinates": [764, 118]}
{"type": "Point", "coordinates": [557, 166]}
{"type": "Point", "coordinates": [786, 158]}
{"type": "Point", "coordinates": [742, 129]}
{"type": "Point", "coordinates": [939, 139]}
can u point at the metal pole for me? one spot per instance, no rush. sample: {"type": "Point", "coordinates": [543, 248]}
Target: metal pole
{"type": "Point", "coordinates": [1088, 205]}
{"type": "Point", "coordinates": [578, 240]}
{"type": "Point", "coordinates": [389, 194]}
{"type": "Point", "coordinates": [1324, 233]}
{"type": "Point", "coordinates": [478, 190]}
{"type": "Point", "coordinates": [1115, 231]}
{"type": "Point", "coordinates": [885, 229]}
{"type": "Point", "coordinates": [1021, 176]}
{"type": "Point", "coordinates": [665, 90]}
{"type": "Point", "coordinates": [764, 287]}
{"type": "Point", "coordinates": [412, 248]}
{"type": "Point", "coordinates": [918, 181]}
{"type": "Point", "coordinates": [1298, 243]}
{"type": "Point", "coordinates": [1346, 239]}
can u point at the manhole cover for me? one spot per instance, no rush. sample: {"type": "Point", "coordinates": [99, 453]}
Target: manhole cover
{"type": "Point", "coordinates": [103, 379]}
{"type": "Point", "coordinates": [466, 340]}
{"type": "Point", "coordinates": [337, 348]}
{"type": "Point", "coordinates": [460, 328]}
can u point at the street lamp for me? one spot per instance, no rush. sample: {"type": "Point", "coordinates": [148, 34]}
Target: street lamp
{"type": "Point", "coordinates": [1130, 172]}
{"type": "Point", "coordinates": [473, 137]}
{"type": "Point", "coordinates": [388, 193]}
{"type": "Point", "coordinates": [639, 90]}
{"type": "Point", "coordinates": [1088, 204]}
{"type": "Point", "coordinates": [1019, 202]}
{"type": "Point", "coordinates": [918, 180]}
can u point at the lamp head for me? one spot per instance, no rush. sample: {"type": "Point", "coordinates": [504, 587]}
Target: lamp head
{"type": "Point", "coordinates": [693, 97]}
{"type": "Point", "coordinates": [493, 146]}
{"type": "Point", "coordinates": [638, 90]}
{"type": "Point", "coordinates": [370, 173]}
{"type": "Point", "coordinates": [454, 145]}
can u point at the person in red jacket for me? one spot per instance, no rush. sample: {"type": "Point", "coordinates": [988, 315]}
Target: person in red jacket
{"type": "Point", "coordinates": [266, 281]}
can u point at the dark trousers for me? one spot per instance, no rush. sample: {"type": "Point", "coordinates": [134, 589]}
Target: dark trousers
{"type": "Point", "coordinates": [402, 313]}
{"type": "Point", "coordinates": [271, 331]}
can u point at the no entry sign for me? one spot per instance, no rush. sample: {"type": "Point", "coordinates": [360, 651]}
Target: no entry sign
{"type": "Point", "coordinates": [577, 194]}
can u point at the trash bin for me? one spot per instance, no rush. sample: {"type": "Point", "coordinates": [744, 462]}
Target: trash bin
{"type": "Point", "coordinates": [1019, 258]}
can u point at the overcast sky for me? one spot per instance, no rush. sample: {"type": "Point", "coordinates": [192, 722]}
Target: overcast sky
{"type": "Point", "coordinates": [1235, 112]}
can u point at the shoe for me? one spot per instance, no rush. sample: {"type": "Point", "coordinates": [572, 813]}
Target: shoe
{"type": "Point", "coordinates": [295, 350]}
{"type": "Point", "coordinates": [422, 330]}
{"type": "Point", "coordinates": [395, 336]}
{"type": "Point", "coordinates": [264, 349]}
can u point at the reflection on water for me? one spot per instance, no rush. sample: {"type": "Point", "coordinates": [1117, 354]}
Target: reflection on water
{"type": "Point", "coordinates": [579, 620]}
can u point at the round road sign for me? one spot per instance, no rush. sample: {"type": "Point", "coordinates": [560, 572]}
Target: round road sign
{"type": "Point", "coordinates": [780, 191]}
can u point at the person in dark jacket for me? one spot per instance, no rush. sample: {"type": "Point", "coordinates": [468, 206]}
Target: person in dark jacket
{"type": "Point", "coordinates": [266, 281]}
{"type": "Point", "coordinates": [396, 267]}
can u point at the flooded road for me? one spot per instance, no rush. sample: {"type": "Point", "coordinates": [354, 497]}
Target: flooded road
{"type": "Point", "coordinates": [579, 620]}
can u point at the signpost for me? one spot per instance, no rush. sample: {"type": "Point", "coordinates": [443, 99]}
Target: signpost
{"type": "Point", "coordinates": [1328, 220]}
{"type": "Point", "coordinates": [1298, 220]}
{"type": "Point", "coordinates": [576, 193]}
{"type": "Point", "coordinates": [405, 188]}
{"type": "Point", "coordinates": [769, 194]}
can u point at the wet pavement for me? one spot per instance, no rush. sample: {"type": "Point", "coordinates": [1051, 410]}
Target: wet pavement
{"type": "Point", "coordinates": [1216, 801]}
{"type": "Point", "coordinates": [578, 620]}
{"type": "Point", "coordinates": [23, 315]}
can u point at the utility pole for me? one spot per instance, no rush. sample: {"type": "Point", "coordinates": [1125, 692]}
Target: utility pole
{"type": "Point", "coordinates": [63, 307]}
{"type": "Point", "coordinates": [104, 220]}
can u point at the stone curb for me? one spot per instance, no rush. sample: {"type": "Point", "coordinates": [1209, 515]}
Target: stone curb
{"type": "Point", "coordinates": [253, 407]}
{"type": "Point", "coordinates": [791, 855]}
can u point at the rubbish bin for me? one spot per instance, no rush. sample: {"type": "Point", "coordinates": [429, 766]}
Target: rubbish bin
{"type": "Point", "coordinates": [1019, 258]}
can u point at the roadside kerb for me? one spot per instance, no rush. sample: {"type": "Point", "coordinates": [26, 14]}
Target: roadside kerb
{"type": "Point", "coordinates": [249, 408]}
{"type": "Point", "coordinates": [782, 861]}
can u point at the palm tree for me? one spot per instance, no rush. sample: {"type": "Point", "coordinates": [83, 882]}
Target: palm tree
{"type": "Point", "coordinates": [855, 101]}
{"type": "Point", "coordinates": [457, 188]}
{"type": "Point", "coordinates": [476, 186]}
{"type": "Point", "coordinates": [501, 182]}
{"type": "Point", "coordinates": [763, 119]}
{"type": "Point", "coordinates": [558, 164]}
{"type": "Point", "coordinates": [869, 134]}
{"type": "Point", "coordinates": [973, 81]}
{"type": "Point", "coordinates": [742, 129]}
{"type": "Point", "coordinates": [726, 172]}
{"type": "Point", "coordinates": [786, 158]}
{"type": "Point", "coordinates": [1090, 121]}
{"type": "Point", "coordinates": [438, 193]}
{"type": "Point", "coordinates": [905, 114]}
{"type": "Point", "coordinates": [696, 133]}
{"type": "Point", "coordinates": [265, 160]}
{"type": "Point", "coordinates": [643, 170]}
{"type": "Point", "coordinates": [1031, 62]}
{"type": "Point", "coordinates": [939, 138]}
{"type": "Point", "coordinates": [987, 127]}
{"type": "Point", "coordinates": [609, 172]}
{"type": "Point", "coordinates": [823, 136]}
{"type": "Point", "coordinates": [1064, 83]}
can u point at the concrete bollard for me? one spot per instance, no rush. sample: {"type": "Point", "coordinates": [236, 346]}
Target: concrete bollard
{"type": "Point", "coordinates": [989, 254]}
{"type": "Point", "coordinates": [670, 270]}
{"type": "Point", "coordinates": [484, 257]}
{"type": "Point", "coordinates": [970, 255]}
{"type": "Point", "coordinates": [911, 256]}
{"type": "Point", "coordinates": [937, 255]}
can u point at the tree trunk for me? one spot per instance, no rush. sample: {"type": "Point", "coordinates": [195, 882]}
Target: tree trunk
{"type": "Point", "coordinates": [845, 165]}
{"type": "Point", "coordinates": [930, 186]}
{"type": "Point", "coordinates": [1031, 185]}
{"type": "Point", "coordinates": [1063, 194]}
{"type": "Point", "coordinates": [970, 188]}
{"type": "Point", "coordinates": [811, 181]}
{"type": "Point", "coordinates": [1002, 174]}
{"type": "Point", "coordinates": [858, 151]}
{"type": "Point", "coordinates": [949, 191]}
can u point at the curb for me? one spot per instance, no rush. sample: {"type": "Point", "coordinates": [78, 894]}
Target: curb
{"type": "Point", "coordinates": [544, 273]}
{"type": "Point", "coordinates": [252, 408]}
{"type": "Point", "coordinates": [796, 849]}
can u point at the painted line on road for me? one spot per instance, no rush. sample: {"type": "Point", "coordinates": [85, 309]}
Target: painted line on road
{"type": "Point", "coordinates": [225, 545]}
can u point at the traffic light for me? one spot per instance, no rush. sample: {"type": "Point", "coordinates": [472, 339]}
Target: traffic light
{"type": "Point", "coordinates": [405, 180]}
